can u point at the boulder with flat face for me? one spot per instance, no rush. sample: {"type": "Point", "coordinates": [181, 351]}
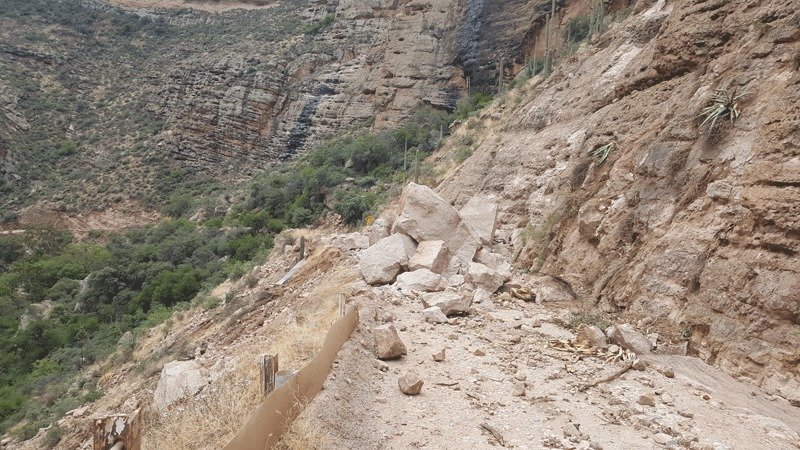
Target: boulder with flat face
{"type": "Point", "coordinates": [480, 216]}
{"type": "Point", "coordinates": [627, 337]}
{"type": "Point", "coordinates": [431, 255]}
{"type": "Point", "coordinates": [451, 303]}
{"type": "Point", "coordinates": [380, 263]}
{"type": "Point", "coordinates": [484, 277]}
{"type": "Point", "coordinates": [387, 343]}
{"type": "Point", "coordinates": [179, 379]}
{"type": "Point", "coordinates": [422, 280]}
{"type": "Point", "coordinates": [425, 216]}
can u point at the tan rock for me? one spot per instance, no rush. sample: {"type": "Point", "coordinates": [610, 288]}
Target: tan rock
{"type": "Point", "coordinates": [380, 263]}
{"type": "Point", "coordinates": [439, 356]}
{"type": "Point", "coordinates": [387, 343]}
{"type": "Point", "coordinates": [431, 255]}
{"type": "Point", "coordinates": [425, 216]}
{"type": "Point", "coordinates": [628, 338]}
{"type": "Point", "coordinates": [451, 303]}
{"type": "Point", "coordinates": [590, 335]}
{"type": "Point", "coordinates": [480, 215]}
{"type": "Point", "coordinates": [179, 379]}
{"type": "Point", "coordinates": [421, 280]}
{"type": "Point", "coordinates": [434, 315]}
{"type": "Point", "coordinates": [410, 383]}
{"type": "Point", "coordinates": [646, 400]}
{"type": "Point", "coordinates": [483, 277]}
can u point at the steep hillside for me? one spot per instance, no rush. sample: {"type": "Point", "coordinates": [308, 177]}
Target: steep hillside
{"type": "Point", "coordinates": [690, 231]}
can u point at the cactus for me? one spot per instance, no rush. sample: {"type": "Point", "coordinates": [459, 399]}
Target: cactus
{"type": "Point", "coordinates": [548, 56]}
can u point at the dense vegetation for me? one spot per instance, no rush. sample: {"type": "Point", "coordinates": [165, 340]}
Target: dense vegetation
{"type": "Point", "coordinates": [93, 293]}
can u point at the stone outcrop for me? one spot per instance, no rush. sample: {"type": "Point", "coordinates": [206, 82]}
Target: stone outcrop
{"type": "Point", "coordinates": [694, 228]}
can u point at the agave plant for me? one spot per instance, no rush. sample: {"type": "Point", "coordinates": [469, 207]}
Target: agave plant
{"type": "Point", "coordinates": [723, 104]}
{"type": "Point", "coordinates": [601, 153]}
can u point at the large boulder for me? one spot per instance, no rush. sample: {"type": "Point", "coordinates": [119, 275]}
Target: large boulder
{"type": "Point", "coordinates": [627, 337]}
{"type": "Point", "coordinates": [387, 343]}
{"type": "Point", "coordinates": [451, 303]}
{"type": "Point", "coordinates": [378, 230]}
{"type": "Point", "coordinates": [480, 216]}
{"type": "Point", "coordinates": [179, 379]}
{"type": "Point", "coordinates": [551, 289]}
{"type": "Point", "coordinates": [431, 255]}
{"type": "Point", "coordinates": [484, 277]}
{"type": "Point", "coordinates": [422, 280]}
{"type": "Point", "coordinates": [427, 217]}
{"type": "Point", "coordinates": [381, 262]}
{"type": "Point", "coordinates": [494, 261]}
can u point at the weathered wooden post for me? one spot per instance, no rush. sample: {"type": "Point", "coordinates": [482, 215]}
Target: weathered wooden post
{"type": "Point", "coordinates": [268, 367]}
{"type": "Point", "coordinates": [118, 432]}
{"type": "Point", "coordinates": [302, 253]}
{"type": "Point", "coordinates": [342, 305]}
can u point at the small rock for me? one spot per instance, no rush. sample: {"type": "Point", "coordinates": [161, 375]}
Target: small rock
{"type": "Point", "coordinates": [686, 414]}
{"type": "Point", "coordinates": [613, 348]}
{"type": "Point", "coordinates": [646, 400]}
{"type": "Point", "coordinates": [434, 315]}
{"type": "Point", "coordinates": [639, 365]}
{"type": "Point", "coordinates": [669, 373]}
{"type": "Point", "coordinates": [438, 356]}
{"type": "Point", "coordinates": [628, 338]}
{"type": "Point", "coordinates": [387, 343]}
{"type": "Point", "coordinates": [519, 389]}
{"type": "Point", "coordinates": [479, 352]}
{"type": "Point", "coordinates": [706, 397]}
{"type": "Point", "coordinates": [662, 438]}
{"type": "Point", "coordinates": [520, 375]}
{"type": "Point", "coordinates": [666, 398]}
{"type": "Point", "coordinates": [410, 383]}
{"type": "Point", "coordinates": [590, 335]}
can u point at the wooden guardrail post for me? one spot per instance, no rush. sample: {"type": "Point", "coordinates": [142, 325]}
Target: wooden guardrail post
{"type": "Point", "coordinates": [302, 253]}
{"type": "Point", "coordinates": [268, 367]}
{"type": "Point", "coordinates": [118, 432]}
{"type": "Point", "coordinates": [342, 305]}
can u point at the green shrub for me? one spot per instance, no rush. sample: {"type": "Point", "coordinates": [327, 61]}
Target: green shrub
{"type": "Point", "coordinates": [576, 29]}
{"type": "Point", "coordinates": [466, 106]}
{"type": "Point", "coordinates": [53, 436]}
{"type": "Point", "coordinates": [353, 206]}
{"type": "Point", "coordinates": [461, 154]}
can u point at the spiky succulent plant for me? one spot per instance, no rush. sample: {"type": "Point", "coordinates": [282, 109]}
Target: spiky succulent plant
{"type": "Point", "coordinates": [723, 104]}
{"type": "Point", "coordinates": [601, 153]}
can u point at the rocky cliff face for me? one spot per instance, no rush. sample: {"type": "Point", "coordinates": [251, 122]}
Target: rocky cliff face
{"type": "Point", "coordinates": [134, 95]}
{"type": "Point", "coordinates": [679, 226]}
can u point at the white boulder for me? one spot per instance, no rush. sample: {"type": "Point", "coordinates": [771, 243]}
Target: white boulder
{"type": "Point", "coordinates": [431, 255]}
{"type": "Point", "coordinates": [179, 379]}
{"type": "Point", "coordinates": [381, 262]}
{"type": "Point", "coordinates": [480, 216]}
{"type": "Point", "coordinates": [451, 303]}
{"type": "Point", "coordinates": [425, 216]}
{"type": "Point", "coordinates": [422, 280]}
{"type": "Point", "coordinates": [484, 277]}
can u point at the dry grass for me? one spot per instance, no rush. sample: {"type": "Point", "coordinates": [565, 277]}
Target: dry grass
{"type": "Point", "coordinates": [210, 420]}
{"type": "Point", "coordinates": [303, 435]}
